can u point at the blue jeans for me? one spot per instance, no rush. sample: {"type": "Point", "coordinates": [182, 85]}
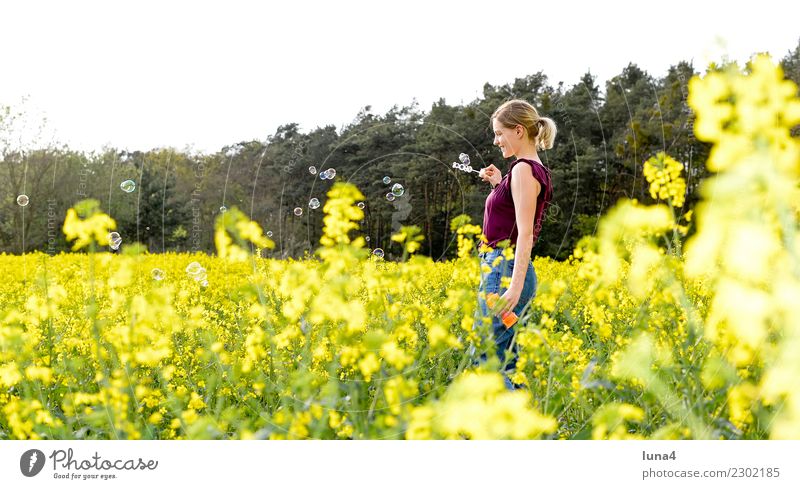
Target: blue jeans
{"type": "Point", "coordinates": [505, 347]}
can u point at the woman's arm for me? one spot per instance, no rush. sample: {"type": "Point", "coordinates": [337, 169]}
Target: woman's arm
{"type": "Point", "coordinates": [525, 190]}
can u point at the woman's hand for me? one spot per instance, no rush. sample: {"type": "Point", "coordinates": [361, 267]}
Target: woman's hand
{"type": "Point", "coordinates": [508, 301]}
{"type": "Point", "coordinates": [491, 174]}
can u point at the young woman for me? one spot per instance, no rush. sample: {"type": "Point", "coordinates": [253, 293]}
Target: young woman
{"type": "Point", "coordinates": [514, 211]}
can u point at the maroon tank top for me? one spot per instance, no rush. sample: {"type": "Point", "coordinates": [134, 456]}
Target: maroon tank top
{"type": "Point", "coordinates": [499, 216]}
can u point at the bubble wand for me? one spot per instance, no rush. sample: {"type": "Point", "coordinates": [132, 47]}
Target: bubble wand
{"type": "Point", "coordinates": [465, 164]}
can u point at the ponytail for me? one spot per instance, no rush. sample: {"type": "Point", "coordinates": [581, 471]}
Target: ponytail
{"type": "Point", "coordinates": [546, 134]}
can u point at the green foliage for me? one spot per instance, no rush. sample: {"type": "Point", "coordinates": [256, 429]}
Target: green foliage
{"type": "Point", "coordinates": [605, 135]}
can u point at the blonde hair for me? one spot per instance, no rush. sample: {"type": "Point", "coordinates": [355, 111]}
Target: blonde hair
{"type": "Point", "coordinates": [541, 130]}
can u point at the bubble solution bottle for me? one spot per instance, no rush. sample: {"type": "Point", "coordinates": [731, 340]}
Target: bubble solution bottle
{"type": "Point", "coordinates": [509, 318]}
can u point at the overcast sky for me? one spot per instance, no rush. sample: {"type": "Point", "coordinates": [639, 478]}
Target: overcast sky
{"type": "Point", "coordinates": [205, 75]}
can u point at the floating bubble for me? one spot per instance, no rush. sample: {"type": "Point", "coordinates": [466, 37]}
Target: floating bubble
{"type": "Point", "coordinates": [331, 173]}
{"type": "Point", "coordinates": [204, 283]}
{"type": "Point", "coordinates": [269, 234]}
{"type": "Point", "coordinates": [367, 239]}
{"type": "Point", "coordinates": [398, 190]}
{"type": "Point", "coordinates": [223, 209]}
{"type": "Point", "coordinates": [390, 197]}
{"type": "Point", "coordinates": [378, 252]}
{"type": "Point", "coordinates": [313, 203]}
{"type": "Point", "coordinates": [464, 158]}
{"type": "Point", "coordinates": [387, 180]}
{"type": "Point", "coordinates": [23, 200]}
{"type": "Point", "coordinates": [312, 170]}
{"type": "Point", "coordinates": [128, 186]}
{"type": "Point", "coordinates": [158, 274]}
{"type": "Point", "coordinates": [194, 268]}
{"type": "Point", "coordinates": [298, 211]}
{"type": "Point", "coordinates": [114, 240]}
{"type": "Point", "coordinates": [361, 205]}
{"type": "Point", "coordinates": [196, 272]}
{"type": "Point", "coordinates": [323, 175]}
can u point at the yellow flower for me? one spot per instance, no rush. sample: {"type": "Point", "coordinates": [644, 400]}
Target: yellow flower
{"type": "Point", "coordinates": [341, 214]}
{"type": "Point", "coordinates": [45, 374]}
{"type": "Point", "coordinates": [663, 174]}
{"type": "Point", "coordinates": [234, 232]}
{"type": "Point", "coordinates": [609, 421]}
{"type": "Point", "coordinates": [9, 375]}
{"type": "Point", "coordinates": [369, 364]}
{"type": "Point", "coordinates": [478, 406]}
{"type": "Point", "coordinates": [189, 416]}
{"type": "Point", "coordinates": [93, 227]}
{"type": "Point", "coordinates": [196, 402]}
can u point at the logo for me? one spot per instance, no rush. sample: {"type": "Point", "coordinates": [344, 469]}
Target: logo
{"type": "Point", "coordinates": [31, 462]}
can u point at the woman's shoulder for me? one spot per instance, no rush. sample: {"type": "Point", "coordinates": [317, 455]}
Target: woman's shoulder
{"type": "Point", "coordinates": [539, 170]}
{"type": "Point", "coordinates": [532, 163]}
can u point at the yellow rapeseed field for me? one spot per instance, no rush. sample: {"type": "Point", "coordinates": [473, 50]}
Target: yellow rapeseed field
{"type": "Point", "coordinates": [641, 333]}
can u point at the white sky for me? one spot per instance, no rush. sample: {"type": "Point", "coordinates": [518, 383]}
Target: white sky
{"type": "Point", "coordinates": [150, 74]}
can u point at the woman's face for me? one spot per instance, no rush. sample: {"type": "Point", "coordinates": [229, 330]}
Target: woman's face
{"type": "Point", "coordinates": [506, 139]}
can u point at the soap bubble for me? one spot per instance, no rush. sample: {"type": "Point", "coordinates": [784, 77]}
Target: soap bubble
{"type": "Point", "coordinates": [367, 239]}
{"type": "Point", "coordinates": [197, 272]}
{"type": "Point", "coordinates": [223, 209]}
{"type": "Point", "coordinates": [269, 234]}
{"type": "Point", "coordinates": [331, 173]}
{"type": "Point", "coordinates": [398, 190]}
{"type": "Point", "coordinates": [298, 211]}
{"type": "Point", "coordinates": [312, 170]}
{"type": "Point", "coordinates": [114, 240]}
{"type": "Point", "coordinates": [158, 274]}
{"type": "Point", "coordinates": [23, 200]}
{"type": "Point", "coordinates": [323, 175]}
{"type": "Point", "coordinates": [387, 180]}
{"type": "Point", "coordinates": [314, 203]}
{"type": "Point", "coordinates": [204, 283]}
{"type": "Point", "coordinates": [128, 186]}
{"type": "Point", "coordinates": [464, 158]}
{"type": "Point", "coordinates": [193, 268]}
{"type": "Point", "coordinates": [361, 205]}
{"type": "Point", "coordinates": [390, 197]}
{"type": "Point", "coordinates": [378, 252]}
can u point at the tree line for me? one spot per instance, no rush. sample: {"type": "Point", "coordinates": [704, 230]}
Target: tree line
{"type": "Point", "coordinates": [605, 135]}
